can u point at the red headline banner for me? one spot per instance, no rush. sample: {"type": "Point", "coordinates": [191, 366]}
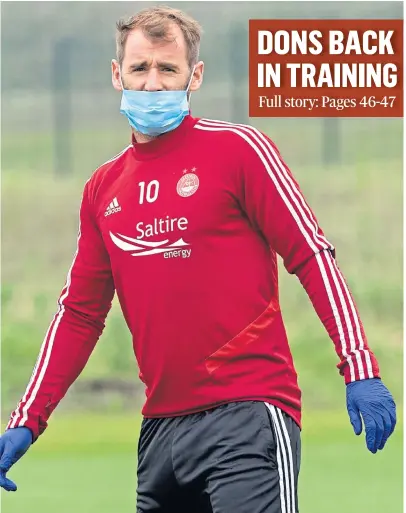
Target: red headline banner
{"type": "Point", "coordinates": [326, 68]}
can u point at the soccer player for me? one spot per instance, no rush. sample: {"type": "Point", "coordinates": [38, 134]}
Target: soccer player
{"type": "Point", "coordinates": [185, 225]}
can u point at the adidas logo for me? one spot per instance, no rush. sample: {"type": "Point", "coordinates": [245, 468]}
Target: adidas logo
{"type": "Point", "coordinates": [112, 208]}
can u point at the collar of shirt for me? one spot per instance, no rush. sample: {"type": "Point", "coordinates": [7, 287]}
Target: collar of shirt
{"type": "Point", "coordinates": [165, 142]}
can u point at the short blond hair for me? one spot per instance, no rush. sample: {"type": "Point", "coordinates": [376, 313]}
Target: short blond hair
{"type": "Point", "coordinates": [155, 23]}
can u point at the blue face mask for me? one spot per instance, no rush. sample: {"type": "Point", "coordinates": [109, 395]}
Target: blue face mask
{"type": "Point", "coordinates": [155, 112]}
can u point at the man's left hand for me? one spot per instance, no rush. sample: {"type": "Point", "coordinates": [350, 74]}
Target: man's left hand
{"type": "Point", "coordinates": [371, 399]}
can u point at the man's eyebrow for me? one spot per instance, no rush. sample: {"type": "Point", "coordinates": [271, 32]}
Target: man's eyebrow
{"type": "Point", "coordinates": [165, 64]}
{"type": "Point", "coordinates": [142, 64]}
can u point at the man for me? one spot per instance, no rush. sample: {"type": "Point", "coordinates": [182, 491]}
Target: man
{"type": "Point", "coordinates": [185, 225]}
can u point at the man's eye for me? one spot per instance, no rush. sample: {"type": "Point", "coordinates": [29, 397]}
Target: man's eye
{"type": "Point", "coordinates": [139, 68]}
{"type": "Point", "coordinates": [168, 69]}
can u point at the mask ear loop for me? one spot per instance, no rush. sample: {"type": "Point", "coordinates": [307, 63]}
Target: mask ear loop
{"type": "Point", "coordinates": [189, 84]}
{"type": "Point", "coordinates": [121, 81]}
{"type": "Point", "coordinates": [190, 79]}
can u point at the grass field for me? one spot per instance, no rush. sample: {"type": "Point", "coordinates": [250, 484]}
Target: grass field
{"type": "Point", "coordinates": [87, 464]}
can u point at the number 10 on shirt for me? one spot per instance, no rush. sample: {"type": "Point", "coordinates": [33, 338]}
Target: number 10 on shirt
{"type": "Point", "coordinates": [150, 192]}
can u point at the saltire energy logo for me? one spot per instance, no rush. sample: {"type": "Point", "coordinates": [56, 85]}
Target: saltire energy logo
{"type": "Point", "coordinates": [141, 247]}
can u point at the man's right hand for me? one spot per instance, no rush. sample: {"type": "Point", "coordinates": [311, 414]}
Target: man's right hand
{"type": "Point", "coordinates": [13, 444]}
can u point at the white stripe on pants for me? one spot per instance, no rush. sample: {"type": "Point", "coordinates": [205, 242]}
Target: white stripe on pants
{"type": "Point", "coordinates": [284, 460]}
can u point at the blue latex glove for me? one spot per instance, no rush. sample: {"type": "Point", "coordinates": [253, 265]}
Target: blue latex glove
{"type": "Point", "coordinates": [13, 444]}
{"type": "Point", "coordinates": [371, 399]}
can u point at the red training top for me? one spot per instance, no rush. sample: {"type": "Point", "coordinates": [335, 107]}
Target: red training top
{"type": "Point", "coordinates": [186, 230]}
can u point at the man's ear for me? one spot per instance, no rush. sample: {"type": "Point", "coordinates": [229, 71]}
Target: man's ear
{"type": "Point", "coordinates": [115, 75]}
{"type": "Point", "coordinates": [197, 79]}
